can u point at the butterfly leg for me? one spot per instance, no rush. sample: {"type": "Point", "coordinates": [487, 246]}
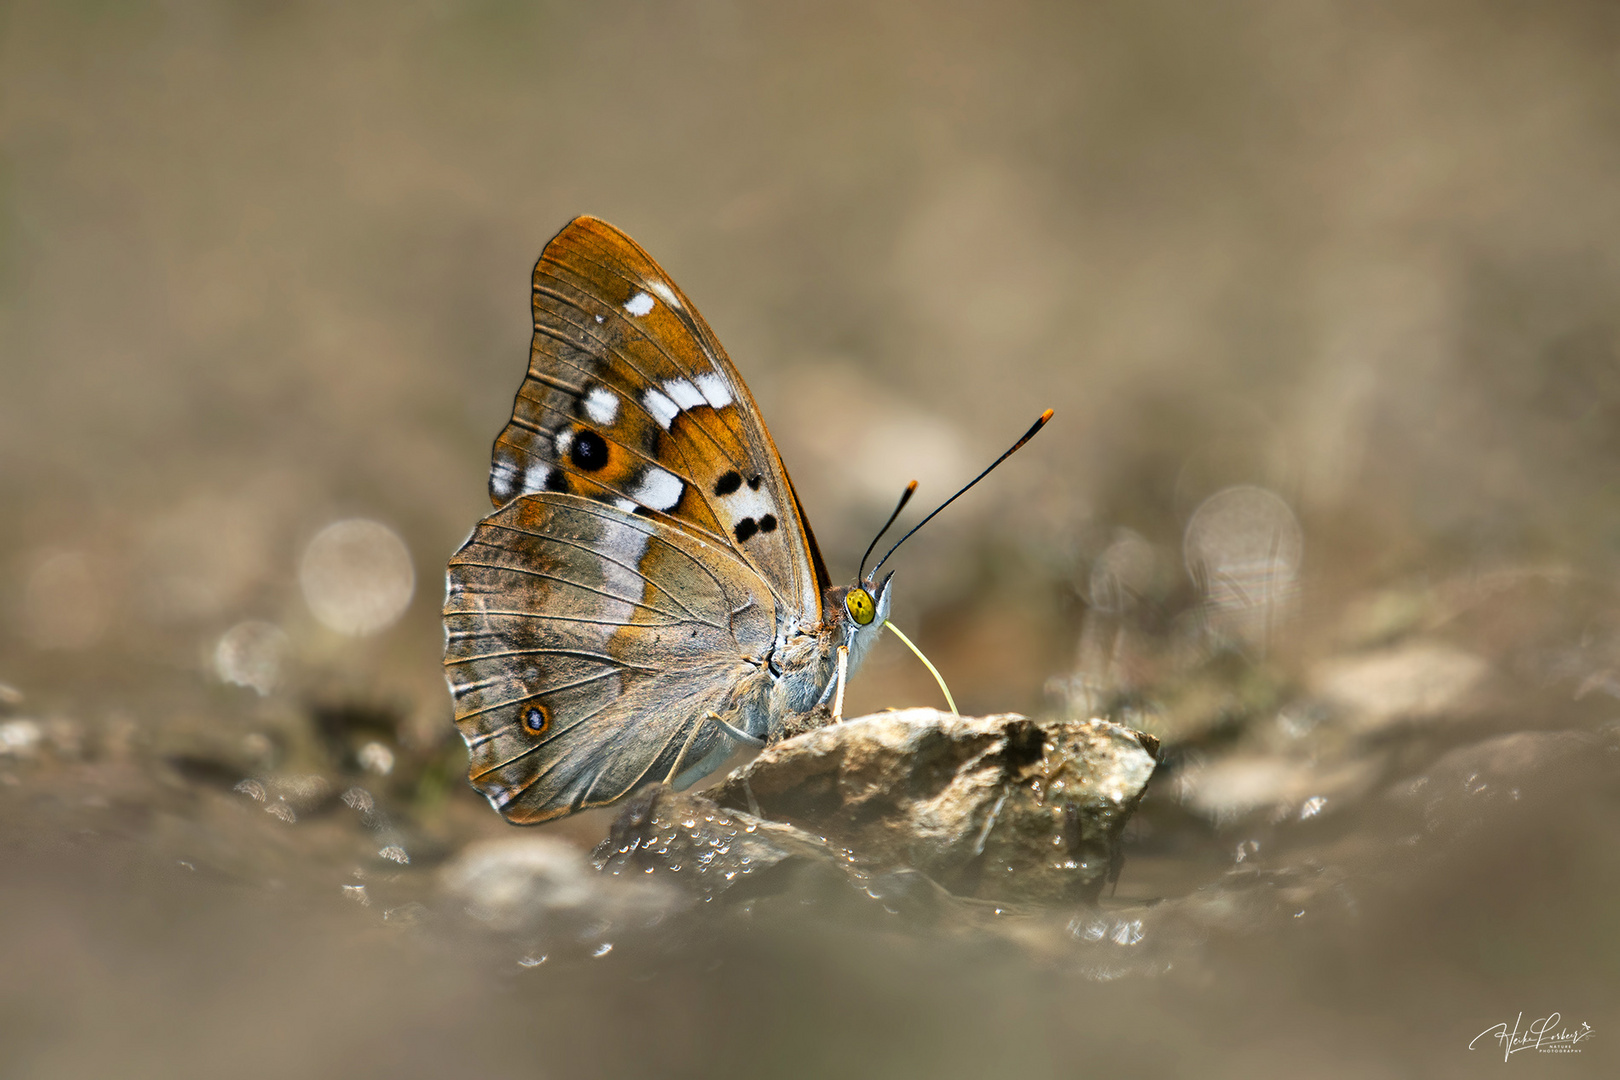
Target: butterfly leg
{"type": "Point", "coordinates": [680, 758]}
{"type": "Point", "coordinates": [674, 777]}
{"type": "Point", "coordinates": [736, 732]}
{"type": "Point", "coordinates": [843, 675]}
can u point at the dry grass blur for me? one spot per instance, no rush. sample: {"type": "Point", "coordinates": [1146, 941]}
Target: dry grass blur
{"type": "Point", "coordinates": [264, 265]}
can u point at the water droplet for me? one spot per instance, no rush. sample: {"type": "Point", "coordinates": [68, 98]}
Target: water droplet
{"type": "Point", "coordinates": [406, 914]}
{"type": "Point", "coordinates": [358, 894]}
{"type": "Point", "coordinates": [602, 949]}
{"type": "Point", "coordinates": [394, 853]}
{"type": "Point", "coordinates": [1127, 932]}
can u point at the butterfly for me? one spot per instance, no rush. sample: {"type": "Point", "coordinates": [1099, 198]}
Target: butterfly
{"type": "Point", "coordinates": [647, 596]}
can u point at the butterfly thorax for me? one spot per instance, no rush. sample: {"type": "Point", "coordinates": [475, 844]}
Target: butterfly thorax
{"type": "Point", "coordinates": [804, 664]}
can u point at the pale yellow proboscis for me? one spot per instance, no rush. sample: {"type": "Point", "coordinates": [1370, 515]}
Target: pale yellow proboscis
{"type": "Point", "coordinates": [926, 663]}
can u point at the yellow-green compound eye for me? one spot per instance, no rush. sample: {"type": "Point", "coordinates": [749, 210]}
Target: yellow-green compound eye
{"type": "Point", "coordinates": [861, 608]}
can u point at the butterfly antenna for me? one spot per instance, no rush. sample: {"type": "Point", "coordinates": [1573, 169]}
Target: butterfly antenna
{"type": "Point", "coordinates": [905, 497]}
{"type": "Point", "coordinates": [1028, 435]}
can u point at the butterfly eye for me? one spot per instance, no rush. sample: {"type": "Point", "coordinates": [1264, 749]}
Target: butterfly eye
{"type": "Point", "coordinates": [860, 606]}
{"type": "Point", "coordinates": [537, 719]}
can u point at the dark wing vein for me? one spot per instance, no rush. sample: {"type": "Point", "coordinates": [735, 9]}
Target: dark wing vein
{"type": "Point", "coordinates": [691, 616]}
{"type": "Point", "coordinates": [559, 733]}
{"type": "Point", "coordinates": [556, 618]}
{"type": "Point", "coordinates": [488, 736]}
{"type": "Point", "coordinates": [458, 689]}
{"type": "Point", "coordinates": [688, 318]}
{"type": "Point", "coordinates": [647, 382]}
{"type": "Point", "coordinates": [638, 453]}
{"type": "Point", "coordinates": [597, 510]}
{"type": "Point", "coordinates": [586, 331]}
{"type": "Point", "coordinates": [566, 581]}
{"type": "Point", "coordinates": [582, 654]}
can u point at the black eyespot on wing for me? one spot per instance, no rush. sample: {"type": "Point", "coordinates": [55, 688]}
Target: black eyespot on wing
{"type": "Point", "coordinates": [767, 523]}
{"type": "Point", "coordinates": [589, 451]}
{"type": "Point", "coordinates": [728, 483]}
{"type": "Point", "coordinates": [557, 480]}
{"type": "Point", "coordinates": [753, 482]}
{"type": "Point", "coordinates": [537, 719]}
{"type": "Point", "coordinates": [745, 528]}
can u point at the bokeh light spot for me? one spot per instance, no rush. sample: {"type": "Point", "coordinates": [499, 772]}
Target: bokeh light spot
{"type": "Point", "coordinates": [1244, 547]}
{"type": "Point", "coordinates": [357, 576]}
{"type": "Point", "coordinates": [251, 654]}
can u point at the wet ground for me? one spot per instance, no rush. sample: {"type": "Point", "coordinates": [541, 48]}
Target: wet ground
{"type": "Point", "coordinates": [1322, 294]}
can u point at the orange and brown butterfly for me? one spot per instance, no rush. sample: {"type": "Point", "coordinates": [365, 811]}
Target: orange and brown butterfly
{"type": "Point", "coordinates": [648, 596]}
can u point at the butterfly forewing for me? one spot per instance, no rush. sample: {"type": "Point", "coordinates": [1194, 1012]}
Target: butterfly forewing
{"type": "Point", "coordinates": [630, 401]}
{"type": "Point", "coordinates": [585, 648]}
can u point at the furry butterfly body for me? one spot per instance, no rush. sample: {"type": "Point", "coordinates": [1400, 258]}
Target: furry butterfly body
{"type": "Point", "coordinates": [647, 596]}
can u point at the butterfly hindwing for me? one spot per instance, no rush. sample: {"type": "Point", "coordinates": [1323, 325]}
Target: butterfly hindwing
{"type": "Point", "coordinates": [585, 647]}
{"type": "Point", "coordinates": [630, 400]}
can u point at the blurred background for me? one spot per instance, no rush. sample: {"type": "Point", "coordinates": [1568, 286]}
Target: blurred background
{"type": "Point", "coordinates": [1322, 292]}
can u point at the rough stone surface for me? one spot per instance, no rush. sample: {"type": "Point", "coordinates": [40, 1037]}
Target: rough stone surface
{"type": "Point", "coordinates": [998, 807]}
{"type": "Point", "coordinates": [714, 850]}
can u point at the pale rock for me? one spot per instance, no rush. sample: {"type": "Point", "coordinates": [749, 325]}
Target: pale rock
{"type": "Point", "coordinates": [998, 807]}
